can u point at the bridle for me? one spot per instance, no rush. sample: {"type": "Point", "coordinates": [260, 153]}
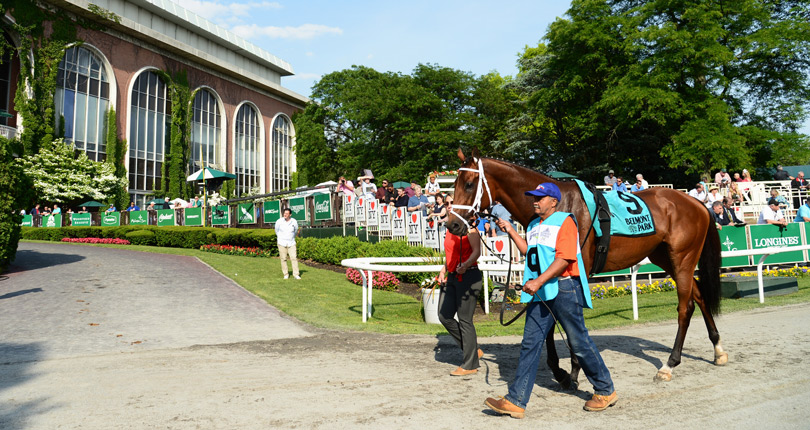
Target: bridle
{"type": "Point", "coordinates": [479, 192]}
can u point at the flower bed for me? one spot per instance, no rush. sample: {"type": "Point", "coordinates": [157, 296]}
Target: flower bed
{"type": "Point", "coordinates": [794, 272]}
{"type": "Point", "coordinates": [105, 240]}
{"type": "Point", "coordinates": [599, 291]}
{"type": "Point", "coordinates": [381, 280]}
{"type": "Point", "coordinates": [237, 250]}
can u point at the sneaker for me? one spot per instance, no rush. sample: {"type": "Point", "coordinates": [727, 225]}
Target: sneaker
{"type": "Point", "coordinates": [599, 402]}
{"type": "Point", "coordinates": [297, 277]}
{"type": "Point", "coordinates": [286, 276]}
{"type": "Point", "coordinates": [504, 407]}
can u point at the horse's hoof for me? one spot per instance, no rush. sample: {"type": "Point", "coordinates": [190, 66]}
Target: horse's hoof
{"type": "Point", "coordinates": [721, 359]}
{"type": "Point", "coordinates": [663, 376]}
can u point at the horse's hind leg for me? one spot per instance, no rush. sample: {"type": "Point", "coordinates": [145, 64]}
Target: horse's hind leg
{"type": "Point", "coordinates": [720, 356]}
{"type": "Point", "coordinates": [553, 360]}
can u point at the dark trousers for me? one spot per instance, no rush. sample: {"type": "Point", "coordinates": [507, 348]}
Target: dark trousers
{"type": "Point", "coordinates": [460, 297]}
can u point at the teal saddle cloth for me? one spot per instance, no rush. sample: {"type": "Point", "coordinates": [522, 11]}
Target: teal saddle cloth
{"type": "Point", "coordinates": [629, 215]}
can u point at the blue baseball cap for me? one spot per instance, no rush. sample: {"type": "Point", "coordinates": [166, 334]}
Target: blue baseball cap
{"type": "Point", "coordinates": [545, 189]}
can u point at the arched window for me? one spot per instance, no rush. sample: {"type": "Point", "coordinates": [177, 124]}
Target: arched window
{"type": "Point", "coordinates": [148, 130]}
{"type": "Point", "coordinates": [205, 132]}
{"type": "Point", "coordinates": [81, 101]}
{"type": "Point", "coordinates": [282, 153]}
{"type": "Point", "coordinates": [246, 153]}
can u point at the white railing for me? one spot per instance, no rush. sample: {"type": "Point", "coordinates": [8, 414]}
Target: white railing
{"type": "Point", "coordinates": [8, 132]}
{"type": "Point", "coordinates": [367, 267]}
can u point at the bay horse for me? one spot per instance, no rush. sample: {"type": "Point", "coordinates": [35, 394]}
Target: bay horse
{"type": "Point", "coordinates": [685, 234]}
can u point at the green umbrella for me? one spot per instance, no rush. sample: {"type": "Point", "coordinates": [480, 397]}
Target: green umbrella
{"type": "Point", "coordinates": [155, 201]}
{"type": "Point", "coordinates": [561, 175]}
{"type": "Point", "coordinates": [92, 204]}
{"type": "Point", "coordinates": [401, 184]}
{"type": "Point", "coordinates": [209, 173]}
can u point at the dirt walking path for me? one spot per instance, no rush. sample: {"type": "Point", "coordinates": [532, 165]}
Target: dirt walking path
{"type": "Point", "coordinates": [220, 371]}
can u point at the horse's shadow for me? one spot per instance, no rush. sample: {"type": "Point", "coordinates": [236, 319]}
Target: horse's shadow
{"type": "Point", "coordinates": [505, 357]}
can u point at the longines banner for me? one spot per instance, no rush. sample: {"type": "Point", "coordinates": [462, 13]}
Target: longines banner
{"type": "Point", "coordinates": [323, 206]}
{"type": "Point", "coordinates": [734, 239]}
{"type": "Point", "coordinates": [27, 221]}
{"type": "Point", "coordinates": [111, 219]}
{"type": "Point", "coordinates": [298, 206]}
{"type": "Point", "coordinates": [139, 218]}
{"type": "Point", "coordinates": [272, 211]}
{"type": "Point", "coordinates": [80, 220]}
{"type": "Point", "coordinates": [766, 236]}
{"type": "Point", "coordinates": [246, 213]}
{"type": "Point", "coordinates": [52, 220]}
{"type": "Point", "coordinates": [165, 217]}
{"type": "Point", "coordinates": [193, 217]}
{"type": "Point", "coordinates": [220, 215]}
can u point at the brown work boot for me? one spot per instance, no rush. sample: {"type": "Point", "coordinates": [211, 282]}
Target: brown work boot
{"type": "Point", "coordinates": [463, 372]}
{"type": "Point", "coordinates": [504, 407]}
{"type": "Point", "coordinates": [599, 402]}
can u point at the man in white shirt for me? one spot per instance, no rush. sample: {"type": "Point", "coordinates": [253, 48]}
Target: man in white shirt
{"type": "Point", "coordinates": [699, 193]}
{"type": "Point", "coordinates": [286, 230]}
{"type": "Point", "coordinates": [432, 188]}
{"type": "Point", "coordinates": [771, 214]}
{"type": "Point", "coordinates": [644, 183]}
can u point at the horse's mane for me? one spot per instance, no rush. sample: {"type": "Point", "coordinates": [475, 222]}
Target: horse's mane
{"type": "Point", "coordinates": [523, 166]}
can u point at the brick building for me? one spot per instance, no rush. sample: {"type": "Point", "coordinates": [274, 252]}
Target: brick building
{"type": "Point", "coordinates": [240, 111]}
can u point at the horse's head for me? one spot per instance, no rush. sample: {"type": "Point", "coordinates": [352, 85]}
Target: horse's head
{"type": "Point", "coordinates": [470, 195]}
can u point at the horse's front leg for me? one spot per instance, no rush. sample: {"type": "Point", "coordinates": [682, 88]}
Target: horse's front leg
{"type": "Point", "coordinates": [553, 361]}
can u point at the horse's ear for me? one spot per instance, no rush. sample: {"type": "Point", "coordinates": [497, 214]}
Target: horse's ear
{"type": "Point", "coordinates": [461, 155]}
{"type": "Point", "coordinates": [475, 153]}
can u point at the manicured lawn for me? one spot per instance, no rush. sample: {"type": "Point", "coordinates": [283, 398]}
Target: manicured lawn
{"type": "Point", "coordinates": [326, 299]}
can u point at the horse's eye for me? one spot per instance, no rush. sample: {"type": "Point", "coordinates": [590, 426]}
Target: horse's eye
{"type": "Point", "coordinates": [469, 185]}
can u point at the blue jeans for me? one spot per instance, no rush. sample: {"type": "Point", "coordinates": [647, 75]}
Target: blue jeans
{"type": "Point", "coordinates": [567, 307]}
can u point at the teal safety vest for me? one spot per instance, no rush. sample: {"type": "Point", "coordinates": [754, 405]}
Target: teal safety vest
{"type": "Point", "coordinates": [541, 240]}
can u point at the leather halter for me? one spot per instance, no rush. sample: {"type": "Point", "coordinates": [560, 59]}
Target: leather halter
{"type": "Point", "coordinates": [479, 192]}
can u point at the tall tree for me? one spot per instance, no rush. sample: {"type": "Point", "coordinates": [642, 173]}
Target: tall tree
{"type": "Point", "coordinates": [399, 126]}
{"type": "Point", "coordinates": [676, 87]}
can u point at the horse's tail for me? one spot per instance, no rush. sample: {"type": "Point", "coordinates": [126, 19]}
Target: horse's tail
{"type": "Point", "coordinates": [709, 269]}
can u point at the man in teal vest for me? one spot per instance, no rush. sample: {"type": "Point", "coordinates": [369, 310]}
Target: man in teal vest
{"type": "Point", "coordinates": [555, 286]}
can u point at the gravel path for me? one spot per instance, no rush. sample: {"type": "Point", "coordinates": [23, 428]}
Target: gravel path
{"type": "Point", "coordinates": [91, 341]}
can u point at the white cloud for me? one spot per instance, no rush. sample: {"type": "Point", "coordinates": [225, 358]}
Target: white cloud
{"type": "Point", "coordinates": [305, 31]}
{"type": "Point", "coordinates": [218, 12]}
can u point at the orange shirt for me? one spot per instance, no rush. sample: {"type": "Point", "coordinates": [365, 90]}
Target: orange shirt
{"type": "Point", "coordinates": [567, 245]}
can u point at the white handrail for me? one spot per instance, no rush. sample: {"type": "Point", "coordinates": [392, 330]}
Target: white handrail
{"type": "Point", "coordinates": [493, 263]}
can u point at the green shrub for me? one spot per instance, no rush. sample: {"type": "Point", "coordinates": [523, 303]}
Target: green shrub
{"type": "Point", "coordinates": [141, 237]}
{"type": "Point", "coordinates": [14, 192]}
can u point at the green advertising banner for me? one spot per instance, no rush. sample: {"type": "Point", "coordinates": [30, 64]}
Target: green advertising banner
{"type": "Point", "coordinates": [220, 215]}
{"type": "Point", "coordinates": [80, 220]}
{"type": "Point", "coordinates": [138, 218]}
{"type": "Point", "coordinates": [770, 236]}
{"type": "Point", "coordinates": [272, 211]}
{"type": "Point", "coordinates": [165, 217]}
{"type": "Point", "coordinates": [111, 219]}
{"type": "Point", "coordinates": [298, 206]}
{"type": "Point", "coordinates": [52, 220]}
{"type": "Point", "coordinates": [733, 239]}
{"type": "Point", "coordinates": [323, 207]}
{"type": "Point", "coordinates": [193, 217]}
{"type": "Point", "coordinates": [28, 221]}
{"type": "Point", "coordinates": [246, 213]}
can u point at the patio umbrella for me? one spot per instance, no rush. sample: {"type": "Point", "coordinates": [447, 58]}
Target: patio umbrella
{"type": "Point", "coordinates": [178, 200]}
{"type": "Point", "coordinates": [92, 204]}
{"type": "Point", "coordinates": [561, 175]}
{"type": "Point", "coordinates": [209, 173]}
{"type": "Point", "coordinates": [401, 184]}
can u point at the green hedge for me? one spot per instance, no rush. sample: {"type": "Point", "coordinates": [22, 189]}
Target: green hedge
{"type": "Point", "coordinates": [172, 237]}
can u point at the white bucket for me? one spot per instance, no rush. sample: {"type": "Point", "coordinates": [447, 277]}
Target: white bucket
{"type": "Point", "coordinates": [430, 302]}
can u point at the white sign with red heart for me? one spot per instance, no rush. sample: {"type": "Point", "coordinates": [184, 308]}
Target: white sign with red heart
{"type": "Point", "coordinates": [415, 227]}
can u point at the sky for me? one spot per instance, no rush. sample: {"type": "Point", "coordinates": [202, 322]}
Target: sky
{"type": "Point", "coordinates": [320, 37]}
